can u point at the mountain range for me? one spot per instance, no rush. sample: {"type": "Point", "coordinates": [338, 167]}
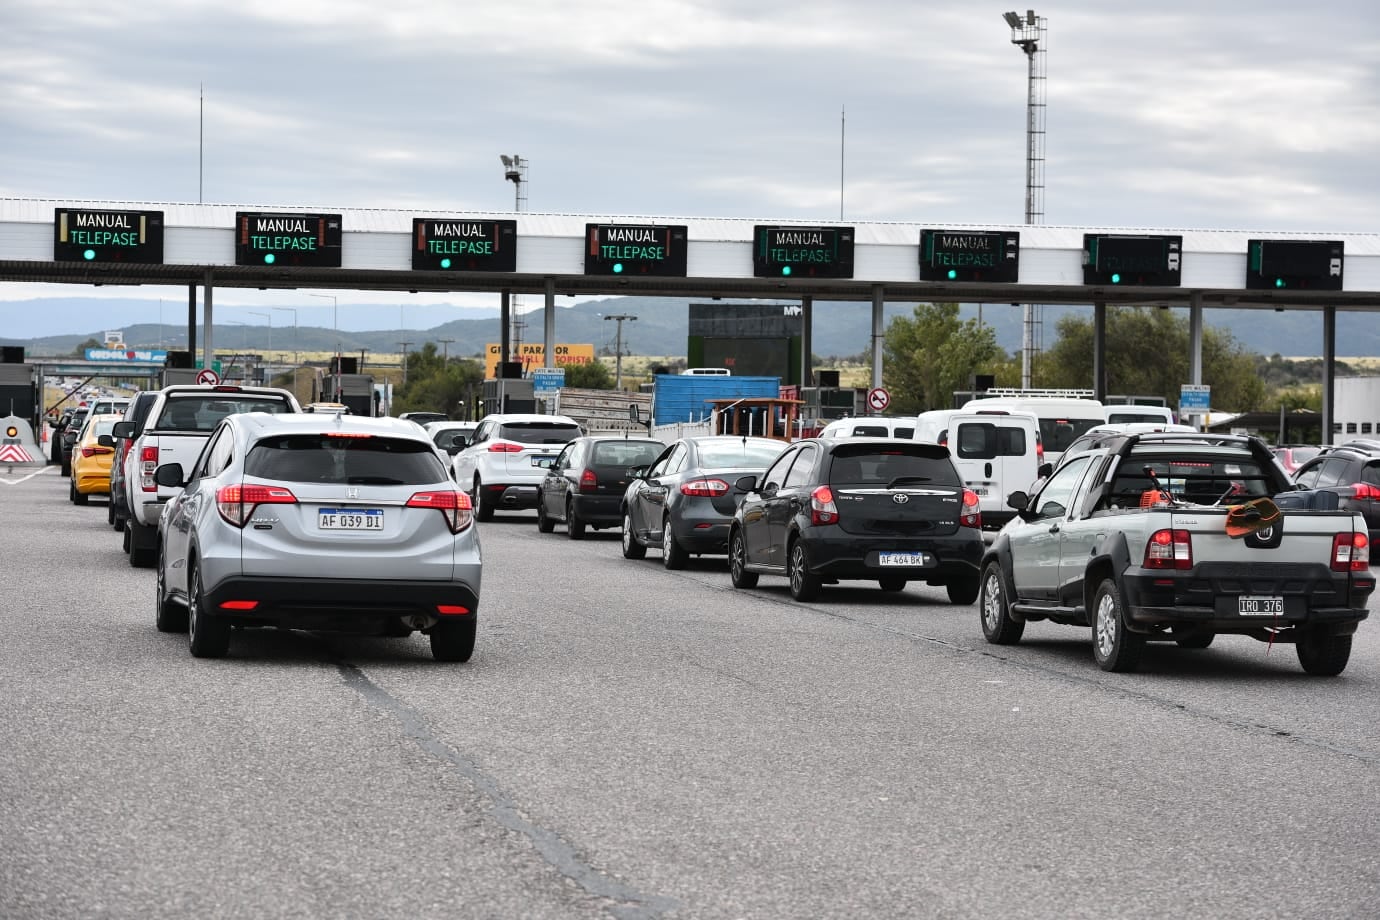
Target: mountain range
{"type": "Point", "coordinates": [840, 328]}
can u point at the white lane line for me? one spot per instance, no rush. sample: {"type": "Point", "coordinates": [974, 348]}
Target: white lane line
{"type": "Point", "coordinates": [14, 482]}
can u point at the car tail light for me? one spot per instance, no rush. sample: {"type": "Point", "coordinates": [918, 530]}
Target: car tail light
{"type": "Point", "coordinates": [822, 507]}
{"type": "Point", "coordinates": [1039, 451]}
{"type": "Point", "coordinates": [93, 451]}
{"type": "Point", "coordinates": [454, 506]}
{"type": "Point", "coordinates": [504, 447]}
{"type": "Point", "coordinates": [148, 465]}
{"type": "Point", "coordinates": [1365, 491]}
{"type": "Point", "coordinates": [451, 610]}
{"type": "Point", "coordinates": [1350, 552]}
{"type": "Point", "coordinates": [1169, 549]}
{"type": "Point", "coordinates": [588, 481]}
{"type": "Point", "coordinates": [704, 488]}
{"type": "Point", "coordinates": [237, 503]}
{"type": "Point", "coordinates": [971, 515]}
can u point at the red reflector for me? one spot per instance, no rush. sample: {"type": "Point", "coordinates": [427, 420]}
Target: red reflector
{"type": "Point", "coordinates": [238, 605]}
{"type": "Point", "coordinates": [451, 609]}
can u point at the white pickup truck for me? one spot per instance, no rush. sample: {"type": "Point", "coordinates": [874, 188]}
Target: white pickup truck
{"type": "Point", "coordinates": [1137, 538]}
{"type": "Point", "coordinates": [178, 424]}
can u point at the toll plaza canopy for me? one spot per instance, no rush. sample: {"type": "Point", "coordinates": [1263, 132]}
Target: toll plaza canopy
{"type": "Point", "coordinates": [113, 242]}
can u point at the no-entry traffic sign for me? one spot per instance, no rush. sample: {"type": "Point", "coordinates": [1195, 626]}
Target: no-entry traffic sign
{"type": "Point", "coordinates": [207, 377]}
{"type": "Point", "coordinates": [878, 399]}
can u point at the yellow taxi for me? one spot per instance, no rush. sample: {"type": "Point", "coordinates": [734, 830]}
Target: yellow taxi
{"type": "Point", "coordinates": [91, 459]}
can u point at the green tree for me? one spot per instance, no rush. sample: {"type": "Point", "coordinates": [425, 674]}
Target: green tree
{"type": "Point", "coordinates": [80, 350]}
{"type": "Point", "coordinates": [437, 385]}
{"type": "Point", "coordinates": [1147, 354]}
{"type": "Point", "coordinates": [932, 353]}
{"type": "Point", "coordinates": [592, 376]}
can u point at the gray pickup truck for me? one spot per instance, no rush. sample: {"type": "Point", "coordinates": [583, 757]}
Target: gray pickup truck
{"type": "Point", "coordinates": [1137, 538]}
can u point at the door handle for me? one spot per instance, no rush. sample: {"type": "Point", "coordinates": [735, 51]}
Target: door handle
{"type": "Point", "coordinates": [987, 470]}
{"type": "Point", "coordinates": [1054, 528]}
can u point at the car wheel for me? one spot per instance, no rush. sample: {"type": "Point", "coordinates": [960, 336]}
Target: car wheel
{"type": "Point", "coordinates": [737, 562]}
{"type": "Point", "coordinates": [72, 492]}
{"type": "Point", "coordinates": [110, 512]}
{"type": "Point", "coordinates": [1114, 646]}
{"type": "Point", "coordinates": [673, 555]}
{"type": "Point", "coordinates": [207, 637]}
{"type": "Point", "coordinates": [998, 626]}
{"type": "Point", "coordinates": [124, 536]}
{"type": "Point", "coordinates": [574, 527]}
{"type": "Point", "coordinates": [964, 590]}
{"type": "Point", "coordinates": [633, 548]}
{"type": "Point", "coordinates": [171, 617]}
{"type": "Point", "coordinates": [804, 586]}
{"type": "Point", "coordinates": [544, 523]}
{"type": "Point", "coordinates": [66, 468]}
{"type": "Point", "coordinates": [1189, 639]}
{"type": "Point", "coordinates": [143, 545]}
{"type": "Point", "coordinates": [483, 510]}
{"type": "Point", "coordinates": [1323, 655]}
{"type": "Point", "coordinates": [892, 583]}
{"type": "Point", "coordinates": [453, 639]}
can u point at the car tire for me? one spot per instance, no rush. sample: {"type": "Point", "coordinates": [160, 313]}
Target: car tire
{"type": "Point", "coordinates": [737, 562]}
{"type": "Point", "coordinates": [110, 512]}
{"type": "Point", "coordinates": [1190, 639]}
{"type": "Point", "coordinates": [1322, 655]}
{"type": "Point", "coordinates": [964, 590]}
{"type": "Point", "coordinates": [673, 555]}
{"type": "Point", "coordinates": [207, 637]}
{"type": "Point", "coordinates": [171, 617]}
{"type": "Point", "coordinates": [994, 608]}
{"type": "Point", "coordinates": [1115, 648]}
{"type": "Point", "coordinates": [804, 585]}
{"type": "Point", "coordinates": [124, 535]}
{"type": "Point", "coordinates": [143, 545]}
{"type": "Point", "coordinates": [892, 583]}
{"type": "Point", "coordinates": [544, 523]}
{"type": "Point", "coordinates": [483, 510]}
{"type": "Point", "coordinates": [574, 527]}
{"type": "Point", "coordinates": [633, 548]}
{"type": "Point", "coordinates": [453, 639]}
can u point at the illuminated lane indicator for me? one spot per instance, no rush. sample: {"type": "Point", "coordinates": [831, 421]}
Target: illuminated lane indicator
{"type": "Point", "coordinates": [1147, 261]}
{"type": "Point", "coordinates": [1305, 265]}
{"type": "Point", "coordinates": [454, 244]}
{"type": "Point", "coordinates": [802, 252]}
{"type": "Point", "coordinates": [636, 250]}
{"type": "Point", "coordinates": [287, 240]}
{"type": "Point", "coordinates": [970, 255]}
{"type": "Point", "coordinates": [134, 237]}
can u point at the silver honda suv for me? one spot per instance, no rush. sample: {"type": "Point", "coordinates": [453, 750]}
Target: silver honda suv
{"type": "Point", "coordinates": [323, 522]}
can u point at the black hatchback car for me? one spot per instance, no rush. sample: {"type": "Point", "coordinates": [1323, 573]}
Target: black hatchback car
{"type": "Point", "coordinates": [1352, 471]}
{"type": "Point", "coordinates": [585, 484]}
{"type": "Point", "coordinates": [863, 508]}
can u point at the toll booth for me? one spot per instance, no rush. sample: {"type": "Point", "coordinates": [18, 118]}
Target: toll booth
{"type": "Point", "coordinates": [509, 394]}
{"type": "Point", "coordinates": [18, 386]}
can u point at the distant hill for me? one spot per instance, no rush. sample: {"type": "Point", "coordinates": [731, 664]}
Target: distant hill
{"type": "Point", "coordinates": [840, 328]}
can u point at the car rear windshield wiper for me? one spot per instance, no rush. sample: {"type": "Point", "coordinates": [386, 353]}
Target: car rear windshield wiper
{"type": "Point", "coordinates": [908, 481]}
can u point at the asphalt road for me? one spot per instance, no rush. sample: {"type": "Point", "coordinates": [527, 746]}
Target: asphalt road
{"type": "Point", "coordinates": [636, 743]}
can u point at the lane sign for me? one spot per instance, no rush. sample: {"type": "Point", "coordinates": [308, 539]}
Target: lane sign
{"type": "Point", "coordinates": [271, 238]}
{"type": "Point", "coordinates": [1136, 260]}
{"type": "Point", "coordinates": [878, 399]}
{"type": "Point", "coordinates": [802, 252]}
{"type": "Point", "coordinates": [969, 255]}
{"type": "Point", "coordinates": [207, 377]}
{"type": "Point", "coordinates": [440, 244]}
{"type": "Point", "coordinates": [107, 236]}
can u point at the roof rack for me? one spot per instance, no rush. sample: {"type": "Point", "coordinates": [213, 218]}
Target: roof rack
{"type": "Point", "coordinates": [1017, 391]}
{"type": "Point", "coordinates": [1364, 443]}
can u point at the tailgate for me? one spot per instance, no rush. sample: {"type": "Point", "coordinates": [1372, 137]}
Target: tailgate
{"type": "Point", "coordinates": [898, 512]}
{"type": "Point", "coordinates": [177, 448]}
{"type": "Point", "coordinates": [1298, 537]}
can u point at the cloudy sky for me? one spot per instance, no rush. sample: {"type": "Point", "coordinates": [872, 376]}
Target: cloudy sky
{"type": "Point", "coordinates": [1168, 114]}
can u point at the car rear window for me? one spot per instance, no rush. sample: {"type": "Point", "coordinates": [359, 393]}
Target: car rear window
{"type": "Point", "coordinates": [625, 453]}
{"type": "Point", "coordinates": [1198, 478]}
{"type": "Point", "coordinates": [538, 432]}
{"type": "Point", "coordinates": [918, 464]}
{"type": "Point", "coordinates": [738, 454]}
{"type": "Point", "coordinates": [203, 412]}
{"type": "Point", "coordinates": [1058, 433]}
{"type": "Point", "coordinates": [345, 460]}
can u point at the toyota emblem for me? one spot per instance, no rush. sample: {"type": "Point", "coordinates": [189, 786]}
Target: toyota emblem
{"type": "Point", "coordinates": [900, 498]}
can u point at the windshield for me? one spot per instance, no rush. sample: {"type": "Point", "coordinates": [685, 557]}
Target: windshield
{"type": "Point", "coordinates": [736, 453]}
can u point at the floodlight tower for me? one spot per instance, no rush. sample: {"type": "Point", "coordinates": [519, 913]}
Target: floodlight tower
{"type": "Point", "coordinates": [1028, 34]}
{"type": "Point", "coordinates": [515, 171]}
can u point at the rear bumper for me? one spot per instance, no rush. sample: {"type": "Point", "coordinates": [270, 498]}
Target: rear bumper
{"type": "Point", "coordinates": [510, 497]}
{"type": "Point", "coordinates": [845, 557]}
{"type": "Point", "coordinates": [598, 510]}
{"type": "Point", "coordinates": [1209, 601]}
{"type": "Point", "coordinates": [315, 603]}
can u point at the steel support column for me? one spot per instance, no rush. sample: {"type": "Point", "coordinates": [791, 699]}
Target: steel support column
{"type": "Point", "coordinates": [191, 322]}
{"type": "Point", "coordinates": [505, 310]}
{"type": "Point", "coordinates": [206, 322]}
{"type": "Point", "coordinates": [1100, 351]}
{"type": "Point", "coordinates": [1329, 382]}
{"type": "Point", "coordinates": [878, 334]}
{"type": "Point", "coordinates": [549, 324]}
{"type": "Point", "coordinates": [807, 312]}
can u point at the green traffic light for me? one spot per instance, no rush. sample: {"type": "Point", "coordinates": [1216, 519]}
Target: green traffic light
{"type": "Point", "coordinates": [617, 268]}
{"type": "Point", "coordinates": [952, 274]}
{"type": "Point", "coordinates": [1279, 282]}
{"type": "Point", "coordinates": [270, 259]}
{"type": "Point", "coordinates": [1116, 278]}
{"type": "Point", "coordinates": [89, 255]}
{"type": "Point", "coordinates": [785, 269]}
{"type": "Point", "coordinates": [445, 263]}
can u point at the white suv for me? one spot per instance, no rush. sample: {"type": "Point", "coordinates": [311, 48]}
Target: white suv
{"type": "Point", "coordinates": [507, 457]}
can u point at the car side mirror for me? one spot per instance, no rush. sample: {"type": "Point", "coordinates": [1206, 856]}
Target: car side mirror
{"type": "Point", "coordinates": [124, 430]}
{"type": "Point", "coordinates": [745, 484]}
{"type": "Point", "coordinates": [171, 475]}
{"type": "Point", "coordinates": [1017, 501]}
{"type": "Point", "coordinates": [1044, 471]}
{"type": "Point", "coordinates": [105, 440]}
{"type": "Point", "coordinates": [637, 472]}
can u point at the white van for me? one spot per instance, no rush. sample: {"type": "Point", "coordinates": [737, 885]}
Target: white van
{"type": "Point", "coordinates": [997, 452]}
{"type": "Point", "coordinates": [869, 427]}
{"type": "Point", "coordinates": [706, 372]}
{"type": "Point", "coordinates": [1118, 414]}
{"type": "Point", "coordinates": [1062, 418]}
